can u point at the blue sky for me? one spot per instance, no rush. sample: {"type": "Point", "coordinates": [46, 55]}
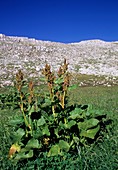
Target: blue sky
{"type": "Point", "coordinates": [60, 20]}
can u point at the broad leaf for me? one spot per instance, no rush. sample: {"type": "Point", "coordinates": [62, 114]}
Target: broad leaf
{"type": "Point", "coordinates": [22, 155]}
{"type": "Point", "coordinates": [76, 113]}
{"type": "Point", "coordinates": [70, 124]}
{"type": "Point", "coordinates": [87, 124]}
{"type": "Point", "coordinates": [41, 121]}
{"type": "Point", "coordinates": [64, 145]}
{"type": "Point", "coordinates": [76, 139]}
{"type": "Point", "coordinates": [90, 108]}
{"type": "Point", "coordinates": [61, 125]}
{"type": "Point", "coordinates": [46, 131]}
{"type": "Point", "coordinates": [33, 143]}
{"type": "Point", "coordinates": [19, 134]}
{"type": "Point", "coordinates": [38, 133]}
{"type": "Point", "coordinates": [54, 150]}
{"type": "Point", "coordinates": [91, 133]}
{"type": "Point", "coordinates": [99, 113]}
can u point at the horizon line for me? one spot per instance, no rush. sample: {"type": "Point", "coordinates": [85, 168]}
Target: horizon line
{"type": "Point", "coordinates": [72, 42]}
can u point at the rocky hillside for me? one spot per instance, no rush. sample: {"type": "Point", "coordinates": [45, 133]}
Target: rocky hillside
{"type": "Point", "coordinates": [92, 57]}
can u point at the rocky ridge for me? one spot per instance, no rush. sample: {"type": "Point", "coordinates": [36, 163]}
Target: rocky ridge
{"type": "Point", "coordinates": [91, 57]}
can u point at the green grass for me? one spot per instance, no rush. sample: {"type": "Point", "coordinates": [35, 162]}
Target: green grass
{"type": "Point", "coordinates": [102, 155]}
{"type": "Point", "coordinates": [93, 80]}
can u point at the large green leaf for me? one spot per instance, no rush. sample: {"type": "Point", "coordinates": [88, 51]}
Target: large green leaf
{"type": "Point", "coordinates": [41, 121]}
{"type": "Point", "coordinates": [23, 155]}
{"type": "Point", "coordinates": [87, 124]}
{"type": "Point", "coordinates": [54, 150]}
{"type": "Point", "coordinates": [76, 139]}
{"type": "Point", "coordinates": [64, 145]}
{"type": "Point", "coordinates": [61, 125]}
{"type": "Point", "coordinates": [99, 113]}
{"type": "Point", "coordinates": [46, 131]}
{"type": "Point", "coordinates": [19, 134]}
{"type": "Point", "coordinates": [90, 108]}
{"type": "Point", "coordinates": [37, 133]}
{"type": "Point", "coordinates": [70, 124]}
{"type": "Point", "coordinates": [91, 133]}
{"type": "Point", "coordinates": [76, 113]}
{"type": "Point", "coordinates": [33, 143]}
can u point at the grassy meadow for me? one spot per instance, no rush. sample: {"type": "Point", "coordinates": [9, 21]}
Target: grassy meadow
{"type": "Point", "coordinates": [101, 155]}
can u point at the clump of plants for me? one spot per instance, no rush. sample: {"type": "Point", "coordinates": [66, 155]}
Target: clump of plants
{"type": "Point", "coordinates": [48, 123]}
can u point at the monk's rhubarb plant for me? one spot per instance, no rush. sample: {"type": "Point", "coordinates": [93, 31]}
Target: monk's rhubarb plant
{"type": "Point", "coordinates": [48, 123]}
